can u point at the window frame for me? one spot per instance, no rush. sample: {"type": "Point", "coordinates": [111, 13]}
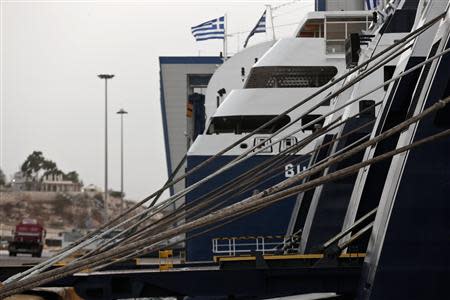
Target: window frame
{"type": "Point", "coordinates": [258, 140]}
{"type": "Point", "coordinates": [283, 143]}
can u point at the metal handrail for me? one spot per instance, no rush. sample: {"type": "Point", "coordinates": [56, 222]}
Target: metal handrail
{"type": "Point", "coordinates": [235, 245]}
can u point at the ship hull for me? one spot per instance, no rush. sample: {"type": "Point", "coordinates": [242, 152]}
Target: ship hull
{"type": "Point", "coordinates": [269, 221]}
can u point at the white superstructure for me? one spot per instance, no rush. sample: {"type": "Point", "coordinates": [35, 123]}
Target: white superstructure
{"type": "Point", "coordinates": [290, 71]}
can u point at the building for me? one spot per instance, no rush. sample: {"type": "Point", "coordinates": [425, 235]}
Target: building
{"type": "Point", "coordinates": [56, 183]}
{"type": "Point", "coordinates": [183, 83]}
{"type": "Point", "coordinates": [20, 182]}
{"type": "Point", "coordinates": [91, 190]}
{"type": "Point", "coordinates": [47, 183]}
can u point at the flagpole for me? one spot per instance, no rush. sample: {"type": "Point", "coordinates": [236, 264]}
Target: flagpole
{"type": "Point", "coordinates": [269, 9]}
{"type": "Point", "coordinates": [238, 42]}
{"type": "Point", "coordinates": [225, 38]}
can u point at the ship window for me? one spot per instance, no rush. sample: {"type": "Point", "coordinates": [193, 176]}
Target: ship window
{"type": "Point", "coordinates": [313, 28]}
{"type": "Point", "coordinates": [266, 141]}
{"type": "Point", "coordinates": [388, 74]}
{"type": "Point", "coordinates": [338, 29]}
{"type": "Point", "coordinates": [310, 118]}
{"type": "Point", "coordinates": [245, 124]}
{"type": "Point", "coordinates": [287, 143]}
{"type": "Point", "coordinates": [335, 31]}
{"type": "Point", "coordinates": [290, 77]}
{"type": "Point", "coordinates": [365, 104]}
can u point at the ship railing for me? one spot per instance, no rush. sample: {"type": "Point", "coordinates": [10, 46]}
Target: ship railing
{"type": "Point", "coordinates": [232, 246]}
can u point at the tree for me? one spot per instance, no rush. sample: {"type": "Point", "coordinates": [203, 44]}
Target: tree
{"type": "Point", "coordinates": [2, 177]}
{"type": "Point", "coordinates": [72, 176]}
{"type": "Point", "coordinates": [36, 162]}
{"type": "Point", "coordinates": [51, 168]}
{"type": "Point", "coordinates": [33, 164]}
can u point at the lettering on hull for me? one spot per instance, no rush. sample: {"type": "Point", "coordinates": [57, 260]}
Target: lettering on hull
{"type": "Point", "coordinates": [291, 170]}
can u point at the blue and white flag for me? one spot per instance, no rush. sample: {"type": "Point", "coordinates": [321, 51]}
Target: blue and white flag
{"type": "Point", "coordinates": [259, 27]}
{"type": "Point", "coordinates": [372, 4]}
{"type": "Point", "coordinates": [212, 29]}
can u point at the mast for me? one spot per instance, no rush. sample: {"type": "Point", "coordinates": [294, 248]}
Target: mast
{"type": "Point", "coordinates": [269, 12]}
{"type": "Point", "coordinates": [225, 38]}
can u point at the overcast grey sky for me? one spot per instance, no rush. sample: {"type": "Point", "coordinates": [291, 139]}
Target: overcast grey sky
{"type": "Point", "coordinates": [52, 100]}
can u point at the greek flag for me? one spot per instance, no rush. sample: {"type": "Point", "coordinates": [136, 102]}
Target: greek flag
{"type": "Point", "coordinates": [259, 27]}
{"type": "Point", "coordinates": [372, 4]}
{"type": "Point", "coordinates": [212, 29]}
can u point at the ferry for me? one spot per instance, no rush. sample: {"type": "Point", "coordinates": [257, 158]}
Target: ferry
{"type": "Point", "coordinates": [291, 70]}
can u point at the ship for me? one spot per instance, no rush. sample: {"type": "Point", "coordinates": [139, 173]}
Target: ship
{"type": "Point", "coordinates": [320, 171]}
{"type": "Point", "coordinates": [292, 69]}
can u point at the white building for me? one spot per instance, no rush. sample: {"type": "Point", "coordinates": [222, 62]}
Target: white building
{"type": "Point", "coordinates": [56, 183]}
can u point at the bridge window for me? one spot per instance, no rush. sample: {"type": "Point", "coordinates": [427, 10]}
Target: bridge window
{"type": "Point", "coordinates": [290, 77]}
{"type": "Point", "coordinates": [313, 28]}
{"type": "Point", "coordinates": [337, 29]}
{"type": "Point", "coordinates": [245, 124]}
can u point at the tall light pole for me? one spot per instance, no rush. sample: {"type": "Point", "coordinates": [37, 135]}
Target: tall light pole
{"type": "Point", "coordinates": [106, 77]}
{"type": "Point", "coordinates": [121, 112]}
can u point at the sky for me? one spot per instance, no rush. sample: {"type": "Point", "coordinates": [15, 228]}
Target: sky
{"type": "Point", "coordinates": [51, 99]}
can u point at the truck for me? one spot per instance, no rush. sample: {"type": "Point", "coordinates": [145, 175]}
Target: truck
{"type": "Point", "coordinates": [29, 237]}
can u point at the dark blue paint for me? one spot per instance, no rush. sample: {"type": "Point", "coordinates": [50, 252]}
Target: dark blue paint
{"type": "Point", "coordinates": [414, 261]}
{"type": "Point", "coordinates": [320, 5]}
{"type": "Point", "coordinates": [272, 220]}
{"type": "Point", "coordinates": [397, 106]}
{"type": "Point", "coordinates": [194, 60]}
{"type": "Point", "coordinates": [215, 284]}
{"type": "Point", "coordinates": [334, 197]}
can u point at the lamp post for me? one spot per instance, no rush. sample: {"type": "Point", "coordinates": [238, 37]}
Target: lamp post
{"type": "Point", "coordinates": [106, 77]}
{"type": "Point", "coordinates": [121, 112]}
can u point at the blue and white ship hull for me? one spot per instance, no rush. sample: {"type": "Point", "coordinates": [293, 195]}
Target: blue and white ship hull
{"type": "Point", "coordinates": [269, 221]}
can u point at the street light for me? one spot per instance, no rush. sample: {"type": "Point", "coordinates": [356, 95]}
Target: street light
{"type": "Point", "coordinates": [106, 77]}
{"type": "Point", "coordinates": [121, 112]}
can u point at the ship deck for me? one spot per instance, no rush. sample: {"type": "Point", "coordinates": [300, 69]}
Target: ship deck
{"type": "Point", "coordinates": [236, 277]}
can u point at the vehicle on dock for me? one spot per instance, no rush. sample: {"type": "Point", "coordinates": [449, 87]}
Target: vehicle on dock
{"type": "Point", "coordinates": [29, 237]}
